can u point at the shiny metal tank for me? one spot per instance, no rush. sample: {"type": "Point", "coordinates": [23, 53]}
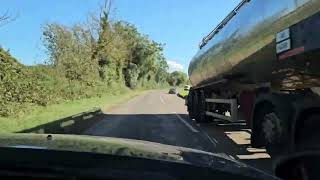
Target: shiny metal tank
{"type": "Point", "coordinates": [246, 44]}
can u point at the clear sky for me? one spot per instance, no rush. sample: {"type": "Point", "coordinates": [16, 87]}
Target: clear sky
{"type": "Point", "coordinates": [179, 24]}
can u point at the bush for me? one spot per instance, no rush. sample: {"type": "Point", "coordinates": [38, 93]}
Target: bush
{"type": "Point", "coordinates": [84, 62]}
{"type": "Point", "coordinates": [22, 86]}
{"type": "Point", "coordinates": [131, 75]}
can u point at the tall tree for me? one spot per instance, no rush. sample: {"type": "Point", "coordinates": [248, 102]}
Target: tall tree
{"type": "Point", "coordinates": [104, 41]}
{"type": "Point", "coordinates": [177, 78]}
{"type": "Point", "coordinates": [6, 17]}
{"type": "Point", "coordinates": [70, 51]}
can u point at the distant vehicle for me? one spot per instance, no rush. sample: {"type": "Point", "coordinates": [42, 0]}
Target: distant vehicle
{"type": "Point", "coordinates": [186, 87]}
{"type": "Point", "coordinates": [173, 90]}
{"type": "Point", "coordinates": [261, 63]}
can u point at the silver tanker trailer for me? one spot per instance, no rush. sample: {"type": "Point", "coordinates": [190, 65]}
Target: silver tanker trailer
{"type": "Point", "coordinates": [262, 64]}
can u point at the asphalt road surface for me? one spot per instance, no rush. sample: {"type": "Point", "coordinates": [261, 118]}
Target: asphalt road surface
{"type": "Point", "coordinates": [161, 117]}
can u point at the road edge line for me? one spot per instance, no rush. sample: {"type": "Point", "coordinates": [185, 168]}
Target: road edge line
{"type": "Point", "coordinates": [212, 140]}
{"type": "Point", "coordinates": [161, 99]}
{"type": "Point", "coordinates": [186, 123]}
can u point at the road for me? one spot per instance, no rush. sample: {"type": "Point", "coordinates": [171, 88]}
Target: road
{"type": "Point", "coordinates": [160, 117]}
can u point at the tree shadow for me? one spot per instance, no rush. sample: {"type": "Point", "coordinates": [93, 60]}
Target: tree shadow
{"type": "Point", "coordinates": [171, 129]}
{"type": "Point", "coordinates": [75, 124]}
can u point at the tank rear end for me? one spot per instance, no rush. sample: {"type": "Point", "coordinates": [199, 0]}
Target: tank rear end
{"type": "Point", "coordinates": [298, 55]}
{"type": "Point", "coordinates": [246, 50]}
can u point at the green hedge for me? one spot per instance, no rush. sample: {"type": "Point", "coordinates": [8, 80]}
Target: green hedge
{"type": "Point", "coordinates": [22, 87]}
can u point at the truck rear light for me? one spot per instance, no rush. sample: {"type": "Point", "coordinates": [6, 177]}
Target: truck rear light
{"type": "Point", "coordinates": [292, 52]}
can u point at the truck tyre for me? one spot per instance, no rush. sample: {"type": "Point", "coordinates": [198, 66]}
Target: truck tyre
{"type": "Point", "coordinates": [203, 107]}
{"type": "Point", "coordinates": [308, 135]}
{"type": "Point", "coordinates": [199, 106]}
{"type": "Point", "coordinates": [190, 105]}
{"type": "Point", "coordinates": [272, 128]}
{"type": "Point", "coordinates": [196, 111]}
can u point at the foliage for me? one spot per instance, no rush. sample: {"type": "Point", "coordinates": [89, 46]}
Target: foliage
{"type": "Point", "coordinates": [19, 85]}
{"type": "Point", "coordinates": [177, 78]}
{"type": "Point", "coordinates": [70, 51]}
{"type": "Point", "coordinates": [131, 75]}
{"type": "Point", "coordinates": [6, 17]}
{"type": "Point", "coordinates": [85, 60]}
{"type": "Point", "coordinates": [40, 115]}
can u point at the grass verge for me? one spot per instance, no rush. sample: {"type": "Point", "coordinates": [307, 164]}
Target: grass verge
{"type": "Point", "coordinates": [42, 115]}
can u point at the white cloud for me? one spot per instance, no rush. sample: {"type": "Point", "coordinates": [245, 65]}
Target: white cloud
{"type": "Point", "coordinates": [174, 66]}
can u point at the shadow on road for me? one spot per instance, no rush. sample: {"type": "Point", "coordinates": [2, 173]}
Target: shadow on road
{"type": "Point", "coordinates": [234, 140]}
{"type": "Point", "coordinates": [171, 129]}
{"type": "Point", "coordinates": [179, 130]}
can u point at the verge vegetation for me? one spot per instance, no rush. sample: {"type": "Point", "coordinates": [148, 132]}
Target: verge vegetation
{"type": "Point", "coordinates": [87, 62]}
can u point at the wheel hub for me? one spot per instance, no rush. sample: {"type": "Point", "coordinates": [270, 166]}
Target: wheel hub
{"type": "Point", "coordinates": [271, 127]}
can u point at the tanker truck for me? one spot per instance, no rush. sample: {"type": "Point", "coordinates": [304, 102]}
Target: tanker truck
{"type": "Point", "coordinates": [261, 64]}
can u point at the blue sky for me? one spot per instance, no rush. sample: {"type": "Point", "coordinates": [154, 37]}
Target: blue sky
{"type": "Point", "coordinates": [179, 24]}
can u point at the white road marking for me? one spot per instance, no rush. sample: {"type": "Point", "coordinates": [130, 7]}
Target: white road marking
{"type": "Point", "coordinates": [161, 99]}
{"type": "Point", "coordinates": [232, 157]}
{"type": "Point", "coordinates": [212, 140]}
{"type": "Point", "coordinates": [185, 123]}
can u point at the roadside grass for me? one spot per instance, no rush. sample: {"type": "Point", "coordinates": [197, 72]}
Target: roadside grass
{"type": "Point", "coordinates": [39, 115]}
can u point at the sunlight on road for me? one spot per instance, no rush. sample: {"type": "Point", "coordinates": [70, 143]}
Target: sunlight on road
{"type": "Point", "coordinates": [254, 156]}
{"type": "Point", "coordinates": [239, 137]}
{"type": "Point", "coordinates": [242, 137]}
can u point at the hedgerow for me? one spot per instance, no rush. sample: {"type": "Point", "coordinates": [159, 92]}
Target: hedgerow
{"type": "Point", "coordinates": [84, 61]}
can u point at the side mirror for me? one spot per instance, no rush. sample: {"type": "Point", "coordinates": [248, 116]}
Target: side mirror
{"type": "Point", "coordinates": [299, 166]}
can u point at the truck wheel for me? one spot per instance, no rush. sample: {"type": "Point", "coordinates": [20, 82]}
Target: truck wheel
{"type": "Point", "coordinates": [272, 124]}
{"type": "Point", "coordinates": [190, 105]}
{"type": "Point", "coordinates": [196, 111]}
{"type": "Point", "coordinates": [199, 108]}
{"type": "Point", "coordinates": [308, 135]}
{"type": "Point", "coordinates": [203, 118]}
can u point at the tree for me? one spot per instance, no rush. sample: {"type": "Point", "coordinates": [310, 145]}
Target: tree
{"type": "Point", "coordinates": [115, 50]}
{"type": "Point", "coordinates": [70, 51]}
{"type": "Point", "coordinates": [131, 75]}
{"type": "Point", "coordinates": [103, 47]}
{"type": "Point", "coordinates": [6, 18]}
{"type": "Point", "coordinates": [84, 60]}
{"type": "Point", "coordinates": [177, 78]}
